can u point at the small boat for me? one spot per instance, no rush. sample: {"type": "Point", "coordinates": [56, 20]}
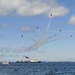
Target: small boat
{"type": "Point", "coordinates": [5, 62]}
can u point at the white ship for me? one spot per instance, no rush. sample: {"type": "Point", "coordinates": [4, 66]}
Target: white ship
{"type": "Point", "coordinates": [28, 60]}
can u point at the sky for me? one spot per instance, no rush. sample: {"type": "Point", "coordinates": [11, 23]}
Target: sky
{"type": "Point", "coordinates": [41, 29]}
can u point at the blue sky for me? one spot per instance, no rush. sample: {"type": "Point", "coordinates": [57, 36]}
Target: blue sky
{"type": "Point", "coordinates": [20, 36]}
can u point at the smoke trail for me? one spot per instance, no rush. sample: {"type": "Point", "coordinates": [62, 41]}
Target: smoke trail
{"type": "Point", "coordinates": [43, 40]}
{"type": "Point", "coordinates": [45, 33]}
{"type": "Point", "coordinates": [43, 36]}
{"type": "Point", "coordinates": [57, 39]}
{"type": "Point", "coordinates": [50, 37]}
{"type": "Point", "coordinates": [48, 24]}
{"type": "Point", "coordinates": [39, 30]}
{"type": "Point", "coordinates": [32, 39]}
{"type": "Point", "coordinates": [68, 31]}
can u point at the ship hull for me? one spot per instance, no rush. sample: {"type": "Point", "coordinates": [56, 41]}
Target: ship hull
{"type": "Point", "coordinates": [27, 62]}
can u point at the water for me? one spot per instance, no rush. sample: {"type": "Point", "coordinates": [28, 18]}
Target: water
{"type": "Point", "coordinates": [52, 68]}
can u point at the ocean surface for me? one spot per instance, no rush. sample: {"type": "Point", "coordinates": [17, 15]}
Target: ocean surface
{"type": "Point", "coordinates": [49, 68]}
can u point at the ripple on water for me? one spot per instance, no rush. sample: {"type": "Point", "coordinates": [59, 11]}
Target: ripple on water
{"type": "Point", "coordinates": [38, 69]}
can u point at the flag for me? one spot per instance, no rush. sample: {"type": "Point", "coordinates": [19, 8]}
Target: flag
{"type": "Point", "coordinates": [26, 57]}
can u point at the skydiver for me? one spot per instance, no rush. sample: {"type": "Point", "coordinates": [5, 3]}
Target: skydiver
{"type": "Point", "coordinates": [37, 27]}
{"type": "Point", "coordinates": [71, 36]}
{"type": "Point", "coordinates": [21, 35]}
{"type": "Point", "coordinates": [60, 30]}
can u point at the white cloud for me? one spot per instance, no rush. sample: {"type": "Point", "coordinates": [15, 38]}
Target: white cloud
{"type": "Point", "coordinates": [27, 29]}
{"type": "Point", "coordinates": [14, 49]}
{"type": "Point", "coordinates": [4, 49]}
{"type": "Point", "coordinates": [17, 49]}
{"type": "Point", "coordinates": [31, 7]}
{"type": "Point", "coordinates": [59, 11]}
{"type": "Point", "coordinates": [72, 20]}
